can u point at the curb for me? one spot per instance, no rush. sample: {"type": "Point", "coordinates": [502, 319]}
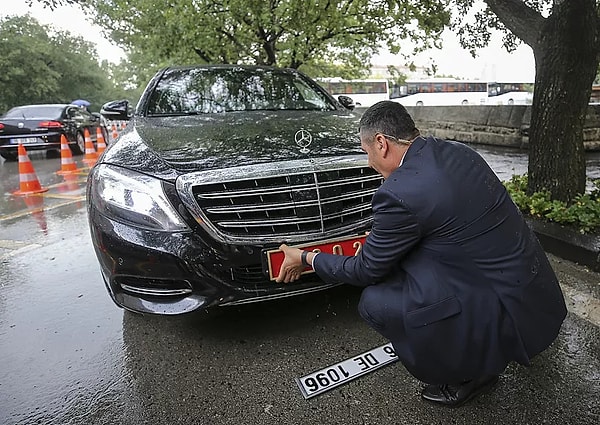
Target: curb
{"type": "Point", "coordinates": [581, 251]}
{"type": "Point", "coordinates": [567, 243]}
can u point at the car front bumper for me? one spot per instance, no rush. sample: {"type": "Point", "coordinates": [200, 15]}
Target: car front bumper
{"type": "Point", "coordinates": [174, 273]}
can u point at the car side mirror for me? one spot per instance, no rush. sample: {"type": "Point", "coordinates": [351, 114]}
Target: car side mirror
{"type": "Point", "coordinates": [347, 102]}
{"type": "Point", "coordinates": [116, 110]}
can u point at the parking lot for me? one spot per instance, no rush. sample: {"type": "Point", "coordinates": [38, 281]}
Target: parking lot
{"type": "Point", "coordinates": [68, 355]}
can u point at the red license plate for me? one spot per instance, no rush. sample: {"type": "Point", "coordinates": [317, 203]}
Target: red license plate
{"type": "Point", "coordinates": [346, 246]}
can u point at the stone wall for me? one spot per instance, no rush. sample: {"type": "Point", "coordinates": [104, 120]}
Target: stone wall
{"type": "Point", "coordinates": [505, 125]}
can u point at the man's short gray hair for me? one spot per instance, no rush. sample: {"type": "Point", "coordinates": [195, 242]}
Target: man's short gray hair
{"type": "Point", "coordinates": [390, 118]}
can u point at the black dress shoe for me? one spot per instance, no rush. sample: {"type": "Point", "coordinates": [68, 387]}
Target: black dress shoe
{"type": "Point", "coordinates": [456, 395]}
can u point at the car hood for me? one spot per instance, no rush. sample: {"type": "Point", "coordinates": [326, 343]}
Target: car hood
{"type": "Point", "coordinates": [171, 146]}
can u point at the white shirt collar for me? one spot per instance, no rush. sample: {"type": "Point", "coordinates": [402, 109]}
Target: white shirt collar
{"type": "Point", "coordinates": [402, 159]}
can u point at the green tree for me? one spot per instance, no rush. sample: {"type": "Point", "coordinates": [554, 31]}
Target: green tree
{"type": "Point", "coordinates": [563, 34]}
{"type": "Point", "coordinates": [312, 35]}
{"type": "Point", "coordinates": [565, 39]}
{"type": "Point", "coordinates": [41, 65]}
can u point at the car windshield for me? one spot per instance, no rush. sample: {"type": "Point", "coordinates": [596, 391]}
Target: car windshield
{"type": "Point", "coordinates": [216, 90]}
{"type": "Point", "coordinates": [35, 112]}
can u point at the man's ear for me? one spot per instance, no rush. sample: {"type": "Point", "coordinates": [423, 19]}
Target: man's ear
{"type": "Point", "coordinates": [382, 145]}
{"type": "Point", "coordinates": [381, 142]}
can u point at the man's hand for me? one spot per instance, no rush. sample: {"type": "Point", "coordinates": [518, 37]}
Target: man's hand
{"type": "Point", "coordinates": [292, 267]}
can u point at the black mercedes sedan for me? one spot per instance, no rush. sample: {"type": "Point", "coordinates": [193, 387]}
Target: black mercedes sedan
{"type": "Point", "coordinates": [218, 166]}
{"type": "Point", "coordinates": [41, 127]}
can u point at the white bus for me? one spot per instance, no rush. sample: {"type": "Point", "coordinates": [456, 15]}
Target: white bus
{"type": "Point", "coordinates": [511, 98]}
{"type": "Point", "coordinates": [447, 91]}
{"type": "Point", "coordinates": [365, 93]}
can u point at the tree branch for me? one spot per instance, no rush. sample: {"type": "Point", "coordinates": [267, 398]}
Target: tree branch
{"type": "Point", "coordinates": [520, 19]}
{"type": "Point", "coordinates": [202, 55]}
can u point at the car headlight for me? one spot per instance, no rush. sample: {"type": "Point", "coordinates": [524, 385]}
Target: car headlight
{"type": "Point", "coordinates": [133, 198]}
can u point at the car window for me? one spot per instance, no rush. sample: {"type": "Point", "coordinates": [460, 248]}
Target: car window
{"type": "Point", "coordinates": [215, 90]}
{"type": "Point", "coordinates": [35, 112]}
{"type": "Point", "coordinates": [78, 113]}
{"type": "Point", "coordinates": [308, 94]}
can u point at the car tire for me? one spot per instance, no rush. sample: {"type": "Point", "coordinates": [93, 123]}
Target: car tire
{"type": "Point", "coordinates": [9, 156]}
{"type": "Point", "coordinates": [465, 102]}
{"type": "Point", "coordinates": [419, 103]}
{"type": "Point", "coordinates": [78, 148]}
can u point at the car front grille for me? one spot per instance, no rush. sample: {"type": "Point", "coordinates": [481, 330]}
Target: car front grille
{"type": "Point", "coordinates": [295, 200]}
{"type": "Point", "coordinates": [252, 278]}
{"type": "Point", "coordinates": [249, 276]}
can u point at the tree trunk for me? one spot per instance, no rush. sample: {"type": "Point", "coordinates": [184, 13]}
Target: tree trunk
{"type": "Point", "coordinates": [566, 58]}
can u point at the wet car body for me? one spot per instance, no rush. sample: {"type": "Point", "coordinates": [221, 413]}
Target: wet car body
{"type": "Point", "coordinates": [234, 177]}
{"type": "Point", "coordinates": [41, 126]}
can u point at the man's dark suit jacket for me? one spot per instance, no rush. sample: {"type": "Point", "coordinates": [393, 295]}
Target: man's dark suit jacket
{"type": "Point", "coordinates": [453, 275]}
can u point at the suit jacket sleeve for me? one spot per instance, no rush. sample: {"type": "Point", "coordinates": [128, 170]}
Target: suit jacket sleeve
{"type": "Point", "coordinates": [395, 231]}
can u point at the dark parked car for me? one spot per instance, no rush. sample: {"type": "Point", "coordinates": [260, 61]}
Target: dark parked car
{"type": "Point", "coordinates": [218, 165]}
{"type": "Point", "coordinates": [40, 127]}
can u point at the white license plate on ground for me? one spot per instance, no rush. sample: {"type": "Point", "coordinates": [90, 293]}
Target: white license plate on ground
{"type": "Point", "coordinates": [26, 140]}
{"type": "Point", "coordinates": [333, 376]}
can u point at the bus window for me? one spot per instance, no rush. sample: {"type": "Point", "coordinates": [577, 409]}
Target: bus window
{"type": "Point", "coordinates": [364, 92]}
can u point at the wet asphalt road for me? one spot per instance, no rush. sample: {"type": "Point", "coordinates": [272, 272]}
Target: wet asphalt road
{"type": "Point", "coordinates": [68, 355]}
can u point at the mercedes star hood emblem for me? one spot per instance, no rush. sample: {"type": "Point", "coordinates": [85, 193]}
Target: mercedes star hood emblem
{"type": "Point", "coordinates": [303, 139]}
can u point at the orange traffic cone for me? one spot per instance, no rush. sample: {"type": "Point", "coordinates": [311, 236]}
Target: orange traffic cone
{"type": "Point", "coordinates": [123, 125]}
{"type": "Point", "coordinates": [115, 132]}
{"type": "Point", "coordinates": [67, 165]}
{"type": "Point", "coordinates": [28, 180]}
{"type": "Point", "coordinates": [90, 157]}
{"type": "Point", "coordinates": [100, 143]}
